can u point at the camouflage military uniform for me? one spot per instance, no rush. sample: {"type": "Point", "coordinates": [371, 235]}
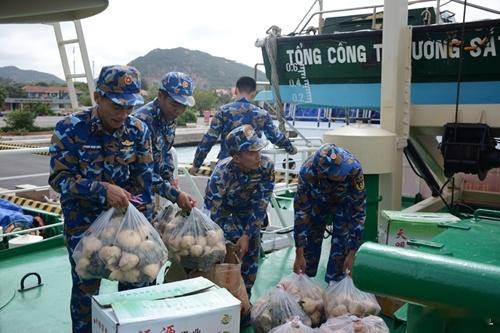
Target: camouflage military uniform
{"type": "Point", "coordinates": [235, 114]}
{"type": "Point", "coordinates": [179, 87]}
{"type": "Point", "coordinates": [162, 135]}
{"type": "Point", "coordinates": [83, 154]}
{"type": "Point", "coordinates": [331, 187]}
{"type": "Point", "coordinates": [237, 202]}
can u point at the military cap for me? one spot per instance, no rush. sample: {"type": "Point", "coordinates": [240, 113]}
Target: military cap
{"type": "Point", "coordinates": [121, 84]}
{"type": "Point", "coordinates": [244, 138]}
{"type": "Point", "coordinates": [179, 86]}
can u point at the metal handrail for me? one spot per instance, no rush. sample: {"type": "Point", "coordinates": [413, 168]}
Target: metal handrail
{"type": "Point", "coordinates": [493, 11]}
{"type": "Point", "coordinates": [303, 18]}
{"type": "Point", "coordinates": [24, 151]}
{"type": "Point", "coordinates": [24, 231]}
{"type": "Point", "coordinates": [36, 188]}
{"type": "Point", "coordinates": [337, 11]}
{"type": "Point", "coordinates": [259, 83]}
{"type": "Point", "coordinates": [25, 141]}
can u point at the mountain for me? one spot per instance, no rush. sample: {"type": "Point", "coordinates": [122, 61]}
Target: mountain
{"type": "Point", "coordinates": [28, 76]}
{"type": "Point", "coordinates": [207, 71]}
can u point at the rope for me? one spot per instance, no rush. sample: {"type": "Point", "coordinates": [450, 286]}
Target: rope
{"type": "Point", "coordinates": [460, 61]}
{"type": "Point", "coordinates": [271, 46]}
{"type": "Point", "coordinates": [8, 302]}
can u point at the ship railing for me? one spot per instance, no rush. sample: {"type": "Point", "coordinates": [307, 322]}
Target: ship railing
{"type": "Point", "coordinates": [31, 230]}
{"type": "Point", "coordinates": [289, 164]}
{"type": "Point", "coordinates": [17, 151]}
{"type": "Point", "coordinates": [326, 114]}
{"type": "Point", "coordinates": [305, 27]}
{"type": "Point", "coordinates": [26, 141]}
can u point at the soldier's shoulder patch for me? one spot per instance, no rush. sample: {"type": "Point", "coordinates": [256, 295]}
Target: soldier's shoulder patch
{"type": "Point", "coordinates": [359, 183]}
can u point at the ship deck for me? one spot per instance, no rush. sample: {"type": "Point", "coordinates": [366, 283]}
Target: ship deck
{"type": "Point", "coordinates": [46, 309]}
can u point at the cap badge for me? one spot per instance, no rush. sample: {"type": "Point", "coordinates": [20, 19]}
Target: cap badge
{"type": "Point", "coordinates": [127, 79]}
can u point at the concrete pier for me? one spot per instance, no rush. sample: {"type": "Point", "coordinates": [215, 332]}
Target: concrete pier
{"type": "Point", "coordinates": [185, 136]}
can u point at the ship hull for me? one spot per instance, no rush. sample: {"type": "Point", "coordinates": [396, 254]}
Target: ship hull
{"type": "Point", "coordinates": [344, 69]}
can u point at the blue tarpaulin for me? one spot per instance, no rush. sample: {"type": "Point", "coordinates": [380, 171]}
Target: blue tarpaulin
{"type": "Point", "coordinates": [11, 213]}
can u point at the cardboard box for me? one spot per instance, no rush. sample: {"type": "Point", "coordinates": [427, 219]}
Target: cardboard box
{"type": "Point", "coordinates": [188, 306]}
{"type": "Point", "coordinates": [389, 305]}
{"type": "Point", "coordinates": [398, 227]}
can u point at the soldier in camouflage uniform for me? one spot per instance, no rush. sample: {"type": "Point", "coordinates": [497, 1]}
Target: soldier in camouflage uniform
{"type": "Point", "coordinates": [237, 113]}
{"type": "Point", "coordinates": [174, 96]}
{"type": "Point", "coordinates": [100, 158]}
{"type": "Point", "coordinates": [331, 189]}
{"type": "Point", "coordinates": [237, 196]}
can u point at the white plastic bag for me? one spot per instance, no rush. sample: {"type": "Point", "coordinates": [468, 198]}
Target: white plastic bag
{"type": "Point", "coordinates": [343, 297]}
{"type": "Point", "coordinates": [310, 295]}
{"type": "Point", "coordinates": [275, 308]}
{"type": "Point", "coordinates": [293, 326]}
{"type": "Point", "coordinates": [354, 324]}
{"type": "Point", "coordinates": [195, 241]}
{"type": "Point", "coordinates": [163, 219]}
{"type": "Point", "coordinates": [122, 246]}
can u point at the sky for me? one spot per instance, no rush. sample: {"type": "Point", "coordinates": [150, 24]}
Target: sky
{"type": "Point", "coordinates": [128, 29]}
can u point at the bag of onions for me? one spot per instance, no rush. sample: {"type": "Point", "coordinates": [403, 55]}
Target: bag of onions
{"type": "Point", "coordinates": [309, 293]}
{"type": "Point", "coordinates": [274, 309]}
{"type": "Point", "coordinates": [353, 324]}
{"type": "Point", "coordinates": [343, 297]}
{"type": "Point", "coordinates": [194, 240]}
{"type": "Point", "coordinates": [120, 245]}
{"type": "Point", "coordinates": [293, 326]}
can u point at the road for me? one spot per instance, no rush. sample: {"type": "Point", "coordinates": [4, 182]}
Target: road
{"type": "Point", "coordinates": [28, 164]}
{"type": "Point", "coordinates": [25, 164]}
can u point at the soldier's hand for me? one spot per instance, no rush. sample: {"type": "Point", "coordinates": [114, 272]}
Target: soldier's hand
{"type": "Point", "coordinates": [117, 197]}
{"type": "Point", "coordinates": [294, 150]}
{"type": "Point", "coordinates": [349, 261]}
{"type": "Point", "coordinates": [193, 171]}
{"type": "Point", "coordinates": [242, 245]}
{"type": "Point", "coordinates": [299, 266]}
{"type": "Point", "coordinates": [185, 201]}
{"type": "Point", "coordinates": [175, 183]}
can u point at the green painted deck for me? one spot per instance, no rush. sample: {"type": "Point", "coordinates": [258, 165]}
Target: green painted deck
{"type": "Point", "coordinates": [46, 309]}
{"type": "Point", "coordinates": [470, 240]}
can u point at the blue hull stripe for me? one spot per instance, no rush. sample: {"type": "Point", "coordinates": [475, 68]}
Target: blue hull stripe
{"type": "Point", "coordinates": [368, 95]}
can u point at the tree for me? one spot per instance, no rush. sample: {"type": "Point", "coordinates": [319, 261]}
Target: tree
{"type": "Point", "coordinates": [40, 109]}
{"type": "Point", "coordinates": [3, 95]}
{"type": "Point", "coordinates": [189, 116]}
{"type": "Point", "coordinates": [152, 93]}
{"type": "Point", "coordinates": [205, 100]}
{"type": "Point", "coordinates": [22, 119]}
{"type": "Point", "coordinates": [84, 97]}
{"type": "Point", "coordinates": [14, 90]}
{"type": "Point", "coordinates": [10, 89]}
{"type": "Point", "coordinates": [224, 99]}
